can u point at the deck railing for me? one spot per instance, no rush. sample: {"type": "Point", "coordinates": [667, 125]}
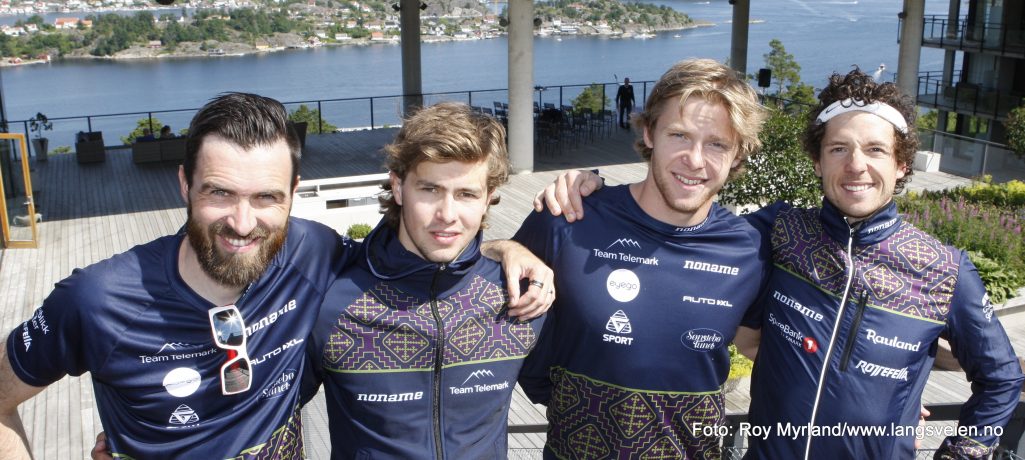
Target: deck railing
{"type": "Point", "coordinates": [345, 113]}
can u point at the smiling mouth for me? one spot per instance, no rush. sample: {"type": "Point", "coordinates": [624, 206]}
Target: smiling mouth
{"type": "Point", "coordinates": [444, 235]}
{"type": "Point", "coordinates": [687, 181]}
{"type": "Point", "coordinates": [857, 188]}
{"type": "Point", "coordinates": [238, 244]}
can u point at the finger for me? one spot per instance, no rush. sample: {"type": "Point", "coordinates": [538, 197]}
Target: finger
{"type": "Point", "coordinates": [562, 196]}
{"type": "Point", "coordinates": [528, 303]}
{"type": "Point", "coordinates": [576, 201]}
{"type": "Point", "coordinates": [99, 451]}
{"type": "Point", "coordinates": [590, 183]}
{"type": "Point", "coordinates": [539, 204]}
{"type": "Point", "coordinates": [553, 204]}
{"type": "Point", "coordinates": [513, 275]}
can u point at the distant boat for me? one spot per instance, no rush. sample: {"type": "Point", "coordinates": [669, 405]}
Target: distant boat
{"type": "Point", "coordinates": [644, 36]}
{"type": "Point", "coordinates": [676, 35]}
{"type": "Point", "coordinates": [215, 52]}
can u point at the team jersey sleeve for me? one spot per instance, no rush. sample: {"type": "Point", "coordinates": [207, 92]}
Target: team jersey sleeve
{"type": "Point", "coordinates": [537, 233]}
{"type": "Point", "coordinates": [981, 346]}
{"type": "Point", "coordinates": [312, 372]}
{"type": "Point", "coordinates": [761, 222]}
{"type": "Point", "coordinates": [54, 342]}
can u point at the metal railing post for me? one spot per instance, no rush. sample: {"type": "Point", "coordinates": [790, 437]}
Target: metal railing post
{"type": "Point", "coordinates": [320, 118]}
{"type": "Point", "coordinates": [985, 157]}
{"type": "Point", "coordinates": [371, 114]}
{"type": "Point", "coordinates": [89, 123]}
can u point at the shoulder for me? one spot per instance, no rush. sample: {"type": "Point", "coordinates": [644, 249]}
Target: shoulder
{"type": "Point", "coordinates": [314, 246]}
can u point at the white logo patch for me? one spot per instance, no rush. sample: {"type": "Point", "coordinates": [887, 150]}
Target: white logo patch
{"type": "Point", "coordinates": [623, 285]}
{"type": "Point", "coordinates": [183, 415]}
{"type": "Point", "coordinates": [182, 381]}
{"type": "Point", "coordinates": [619, 324]}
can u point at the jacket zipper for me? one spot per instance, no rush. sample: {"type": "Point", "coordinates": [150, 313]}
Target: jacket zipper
{"type": "Point", "coordinates": [832, 339]}
{"type": "Point", "coordinates": [439, 356]}
{"type": "Point", "coordinates": [852, 337]}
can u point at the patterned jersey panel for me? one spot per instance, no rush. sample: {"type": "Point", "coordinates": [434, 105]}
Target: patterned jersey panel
{"type": "Point", "coordinates": [910, 273]}
{"type": "Point", "coordinates": [285, 443]}
{"type": "Point", "coordinates": [631, 423]}
{"type": "Point", "coordinates": [386, 329]}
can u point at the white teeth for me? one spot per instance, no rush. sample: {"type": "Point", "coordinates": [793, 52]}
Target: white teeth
{"type": "Point", "coordinates": [687, 181]}
{"type": "Point", "coordinates": [856, 188]}
{"type": "Point", "coordinates": [445, 235]}
{"type": "Point", "coordinates": [238, 243]}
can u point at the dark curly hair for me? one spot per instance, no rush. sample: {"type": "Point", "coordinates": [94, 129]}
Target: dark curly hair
{"type": "Point", "coordinates": [860, 86]}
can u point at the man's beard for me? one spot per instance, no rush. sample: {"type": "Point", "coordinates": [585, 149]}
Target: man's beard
{"type": "Point", "coordinates": [664, 183]}
{"type": "Point", "coordinates": [233, 270]}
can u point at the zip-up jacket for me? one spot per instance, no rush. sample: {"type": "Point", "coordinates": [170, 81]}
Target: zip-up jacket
{"type": "Point", "coordinates": [634, 352]}
{"type": "Point", "coordinates": [852, 315]}
{"type": "Point", "coordinates": [418, 359]}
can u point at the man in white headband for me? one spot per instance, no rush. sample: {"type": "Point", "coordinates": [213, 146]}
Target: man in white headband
{"type": "Point", "coordinates": [858, 298]}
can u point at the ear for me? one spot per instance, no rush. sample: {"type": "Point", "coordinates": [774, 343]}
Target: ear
{"type": "Point", "coordinates": [647, 139]}
{"type": "Point", "coordinates": [295, 188]}
{"type": "Point", "coordinates": [396, 187]}
{"type": "Point", "coordinates": [818, 170]}
{"type": "Point", "coordinates": [183, 185]}
{"type": "Point", "coordinates": [902, 169]}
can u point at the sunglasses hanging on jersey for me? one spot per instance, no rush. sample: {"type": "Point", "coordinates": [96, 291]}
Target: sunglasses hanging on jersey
{"type": "Point", "coordinates": [230, 334]}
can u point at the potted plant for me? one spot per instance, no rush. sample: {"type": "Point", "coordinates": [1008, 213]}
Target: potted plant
{"type": "Point", "coordinates": [40, 144]}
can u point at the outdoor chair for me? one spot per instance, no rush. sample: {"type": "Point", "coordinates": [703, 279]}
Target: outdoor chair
{"type": "Point", "coordinates": [89, 148]}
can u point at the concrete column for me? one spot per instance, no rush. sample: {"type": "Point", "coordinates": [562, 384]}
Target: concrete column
{"type": "Point", "coordinates": [412, 88]}
{"type": "Point", "coordinates": [910, 47]}
{"type": "Point", "coordinates": [521, 85]}
{"type": "Point", "coordinates": [738, 41]}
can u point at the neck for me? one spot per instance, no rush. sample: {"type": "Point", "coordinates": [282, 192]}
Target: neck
{"type": "Point", "coordinates": [201, 283]}
{"type": "Point", "coordinates": [650, 199]}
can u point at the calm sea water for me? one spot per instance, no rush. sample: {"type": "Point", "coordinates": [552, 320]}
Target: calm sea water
{"type": "Point", "coordinates": [823, 36]}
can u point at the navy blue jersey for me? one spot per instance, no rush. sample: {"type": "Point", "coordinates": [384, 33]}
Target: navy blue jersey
{"type": "Point", "coordinates": [145, 337]}
{"type": "Point", "coordinates": [418, 359]}
{"type": "Point", "coordinates": [634, 351]}
{"type": "Point", "coordinates": [851, 320]}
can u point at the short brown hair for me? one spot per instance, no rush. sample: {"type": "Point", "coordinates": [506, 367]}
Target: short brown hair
{"type": "Point", "coordinates": [857, 85]}
{"type": "Point", "coordinates": [715, 83]}
{"type": "Point", "coordinates": [442, 133]}
{"type": "Point", "coordinates": [245, 120]}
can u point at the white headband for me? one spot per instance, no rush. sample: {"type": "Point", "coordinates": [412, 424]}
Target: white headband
{"type": "Point", "coordinates": [879, 109]}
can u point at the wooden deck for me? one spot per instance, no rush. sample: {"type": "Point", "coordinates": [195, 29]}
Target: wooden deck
{"type": "Point", "coordinates": [91, 212]}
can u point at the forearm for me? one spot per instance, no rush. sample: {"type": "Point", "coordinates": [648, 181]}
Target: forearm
{"type": "Point", "coordinates": [496, 249]}
{"type": "Point", "coordinates": [13, 441]}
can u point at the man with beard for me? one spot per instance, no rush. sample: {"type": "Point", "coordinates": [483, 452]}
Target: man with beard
{"type": "Point", "coordinates": [194, 341]}
{"type": "Point", "coordinates": [654, 284]}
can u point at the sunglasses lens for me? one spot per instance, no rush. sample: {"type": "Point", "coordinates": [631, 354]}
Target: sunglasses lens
{"type": "Point", "coordinates": [228, 328]}
{"type": "Point", "coordinates": [235, 376]}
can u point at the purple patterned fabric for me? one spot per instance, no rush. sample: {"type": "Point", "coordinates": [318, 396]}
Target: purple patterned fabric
{"type": "Point", "coordinates": [911, 273]}
{"type": "Point", "coordinates": [385, 329]}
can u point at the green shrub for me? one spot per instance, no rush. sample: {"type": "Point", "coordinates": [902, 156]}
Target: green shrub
{"type": "Point", "coordinates": [740, 366]}
{"type": "Point", "coordinates": [782, 171]}
{"type": "Point", "coordinates": [991, 234]}
{"type": "Point", "coordinates": [1015, 125]}
{"type": "Point", "coordinates": [358, 231]}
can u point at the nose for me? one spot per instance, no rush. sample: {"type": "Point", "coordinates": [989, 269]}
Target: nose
{"type": "Point", "coordinates": [447, 209]}
{"type": "Point", "coordinates": [694, 158]}
{"type": "Point", "coordinates": [242, 221]}
{"type": "Point", "coordinates": [856, 161]}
